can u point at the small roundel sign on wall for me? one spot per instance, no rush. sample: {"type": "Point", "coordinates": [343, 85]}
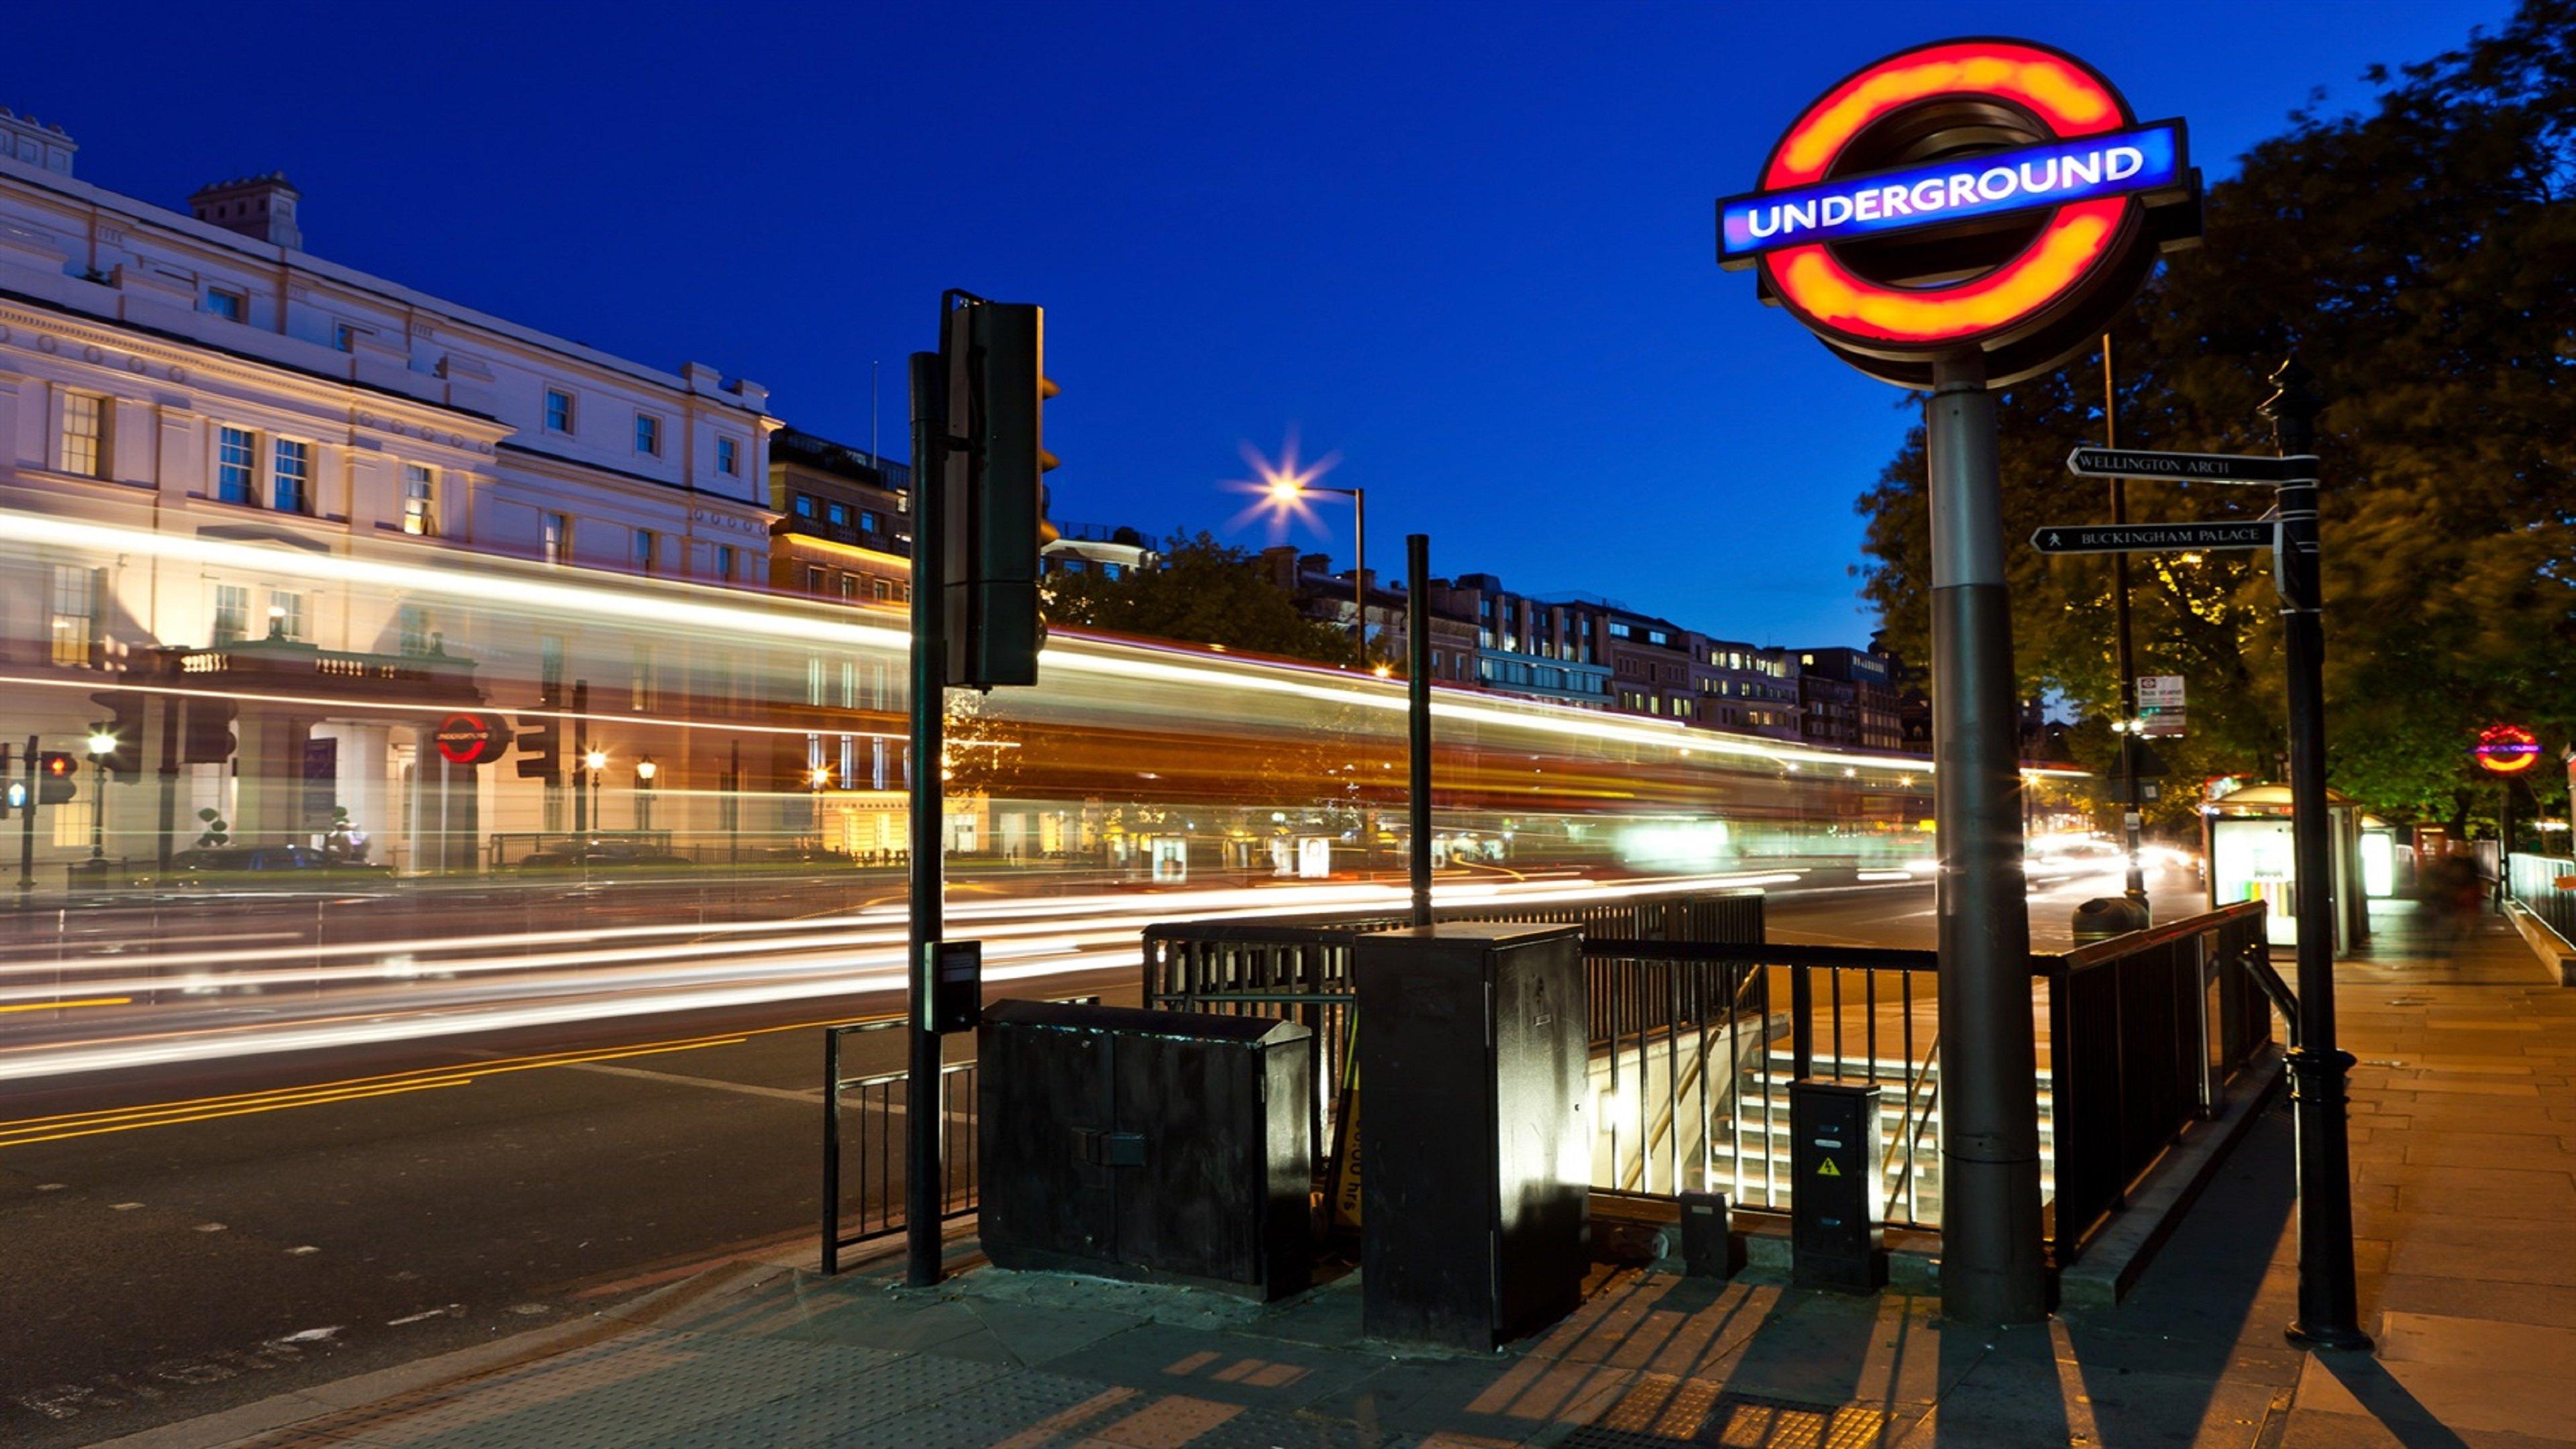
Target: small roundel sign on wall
{"type": "Point", "coordinates": [2507, 749]}
{"type": "Point", "coordinates": [1996, 195]}
{"type": "Point", "coordinates": [470, 737]}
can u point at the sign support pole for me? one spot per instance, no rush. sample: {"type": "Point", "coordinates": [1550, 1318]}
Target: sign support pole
{"type": "Point", "coordinates": [924, 1183]}
{"type": "Point", "coordinates": [2329, 1310]}
{"type": "Point", "coordinates": [1991, 1272]}
{"type": "Point", "coordinates": [2129, 822]}
{"type": "Point", "coordinates": [1417, 651]}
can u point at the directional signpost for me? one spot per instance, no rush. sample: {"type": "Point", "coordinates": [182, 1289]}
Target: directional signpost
{"type": "Point", "coordinates": [2152, 537]}
{"type": "Point", "coordinates": [2192, 467]}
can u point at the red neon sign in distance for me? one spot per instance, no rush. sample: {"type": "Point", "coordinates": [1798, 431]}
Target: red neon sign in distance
{"type": "Point", "coordinates": [2507, 749]}
{"type": "Point", "coordinates": [2076, 239]}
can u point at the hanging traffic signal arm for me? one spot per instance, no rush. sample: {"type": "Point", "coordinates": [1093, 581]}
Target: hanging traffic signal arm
{"type": "Point", "coordinates": [994, 497]}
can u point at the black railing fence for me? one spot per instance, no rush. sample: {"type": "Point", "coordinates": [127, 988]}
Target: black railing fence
{"type": "Point", "coordinates": [2546, 886]}
{"type": "Point", "coordinates": [1698, 1027]}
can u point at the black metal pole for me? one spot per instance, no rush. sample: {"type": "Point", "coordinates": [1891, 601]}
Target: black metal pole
{"type": "Point", "coordinates": [171, 708]}
{"type": "Point", "coordinates": [1991, 1271]}
{"type": "Point", "coordinates": [2329, 1309]}
{"type": "Point", "coordinates": [2127, 660]}
{"type": "Point", "coordinates": [27, 825]}
{"type": "Point", "coordinates": [1417, 650]}
{"type": "Point", "coordinates": [923, 1181]}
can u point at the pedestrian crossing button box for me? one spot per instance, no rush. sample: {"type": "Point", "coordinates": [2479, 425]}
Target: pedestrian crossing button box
{"type": "Point", "coordinates": [1840, 1194]}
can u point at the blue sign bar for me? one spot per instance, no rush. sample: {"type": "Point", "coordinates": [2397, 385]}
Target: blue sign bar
{"type": "Point", "coordinates": [2117, 163]}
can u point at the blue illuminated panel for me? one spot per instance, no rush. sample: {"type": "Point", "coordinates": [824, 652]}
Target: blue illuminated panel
{"type": "Point", "coordinates": [2117, 163]}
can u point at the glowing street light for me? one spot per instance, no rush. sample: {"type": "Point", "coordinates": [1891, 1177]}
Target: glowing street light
{"type": "Point", "coordinates": [645, 770]}
{"type": "Point", "coordinates": [1285, 486]}
{"type": "Point", "coordinates": [102, 744]}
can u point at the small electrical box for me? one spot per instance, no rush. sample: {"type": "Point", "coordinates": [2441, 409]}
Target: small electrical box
{"type": "Point", "coordinates": [1840, 1191]}
{"type": "Point", "coordinates": [957, 986]}
{"type": "Point", "coordinates": [1708, 1245]}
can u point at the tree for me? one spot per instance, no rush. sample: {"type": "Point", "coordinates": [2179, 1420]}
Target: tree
{"type": "Point", "coordinates": [1204, 593]}
{"type": "Point", "coordinates": [2416, 256]}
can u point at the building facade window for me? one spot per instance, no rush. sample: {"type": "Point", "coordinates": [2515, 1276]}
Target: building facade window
{"type": "Point", "coordinates": [85, 417]}
{"type": "Point", "coordinates": [557, 529]}
{"type": "Point", "coordinates": [728, 457]}
{"type": "Point", "coordinates": [229, 305]}
{"type": "Point", "coordinates": [75, 613]}
{"type": "Point", "coordinates": [236, 465]}
{"type": "Point", "coordinates": [420, 500]}
{"type": "Point", "coordinates": [232, 614]}
{"type": "Point", "coordinates": [837, 515]}
{"type": "Point", "coordinates": [814, 581]}
{"type": "Point", "coordinates": [285, 614]}
{"type": "Point", "coordinates": [804, 505]}
{"type": "Point", "coordinates": [411, 633]}
{"type": "Point", "coordinates": [292, 490]}
{"type": "Point", "coordinates": [648, 434]}
{"type": "Point", "coordinates": [645, 545]}
{"type": "Point", "coordinates": [850, 586]}
{"type": "Point", "coordinates": [724, 562]}
{"type": "Point", "coordinates": [344, 337]}
{"type": "Point", "coordinates": [642, 675]}
{"type": "Point", "coordinates": [558, 411]}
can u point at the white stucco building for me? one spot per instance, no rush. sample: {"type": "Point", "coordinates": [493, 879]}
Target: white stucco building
{"type": "Point", "coordinates": [197, 373]}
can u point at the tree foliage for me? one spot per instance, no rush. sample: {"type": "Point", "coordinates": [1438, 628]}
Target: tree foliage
{"type": "Point", "coordinates": [2418, 256]}
{"type": "Point", "coordinates": [1204, 593]}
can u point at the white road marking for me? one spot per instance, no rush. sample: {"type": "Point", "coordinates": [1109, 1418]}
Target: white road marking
{"type": "Point", "coordinates": [452, 1310]}
{"type": "Point", "coordinates": [302, 1249]}
{"type": "Point", "coordinates": [123, 1207]}
{"type": "Point", "coordinates": [210, 1227]}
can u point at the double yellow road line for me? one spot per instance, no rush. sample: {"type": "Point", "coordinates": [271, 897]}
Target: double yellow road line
{"type": "Point", "coordinates": [28, 1131]}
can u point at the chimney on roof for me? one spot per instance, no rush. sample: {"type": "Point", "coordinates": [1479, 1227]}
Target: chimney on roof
{"type": "Point", "coordinates": [259, 207]}
{"type": "Point", "coordinates": [31, 142]}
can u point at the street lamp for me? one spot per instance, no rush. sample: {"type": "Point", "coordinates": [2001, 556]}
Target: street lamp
{"type": "Point", "coordinates": [1286, 486]}
{"type": "Point", "coordinates": [101, 745]}
{"type": "Point", "coordinates": [645, 770]}
{"type": "Point", "coordinates": [594, 762]}
{"type": "Point", "coordinates": [819, 777]}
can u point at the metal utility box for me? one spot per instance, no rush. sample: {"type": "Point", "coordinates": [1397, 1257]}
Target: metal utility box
{"type": "Point", "coordinates": [1476, 1149]}
{"type": "Point", "coordinates": [1839, 1192]}
{"type": "Point", "coordinates": [1709, 1249]}
{"type": "Point", "coordinates": [1162, 1145]}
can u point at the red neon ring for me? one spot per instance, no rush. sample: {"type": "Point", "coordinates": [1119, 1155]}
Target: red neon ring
{"type": "Point", "coordinates": [2067, 97]}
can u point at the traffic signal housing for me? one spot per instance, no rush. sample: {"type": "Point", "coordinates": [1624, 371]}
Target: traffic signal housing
{"type": "Point", "coordinates": [993, 493]}
{"type": "Point", "coordinates": [57, 777]}
{"type": "Point", "coordinates": [540, 739]}
{"type": "Point", "coordinates": [125, 762]}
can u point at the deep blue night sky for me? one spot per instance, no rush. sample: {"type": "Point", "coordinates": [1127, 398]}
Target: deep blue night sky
{"type": "Point", "coordinates": [1466, 247]}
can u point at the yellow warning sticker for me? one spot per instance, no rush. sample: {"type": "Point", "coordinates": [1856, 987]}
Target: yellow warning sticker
{"type": "Point", "coordinates": [1827, 1169]}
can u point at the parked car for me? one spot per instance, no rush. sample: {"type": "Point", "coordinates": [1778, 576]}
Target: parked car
{"type": "Point", "coordinates": [269, 864]}
{"type": "Point", "coordinates": [594, 854]}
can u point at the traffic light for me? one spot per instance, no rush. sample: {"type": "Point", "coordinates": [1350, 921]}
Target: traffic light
{"type": "Point", "coordinates": [207, 737]}
{"type": "Point", "coordinates": [13, 792]}
{"type": "Point", "coordinates": [57, 777]}
{"type": "Point", "coordinates": [994, 507]}
{"type": "Point", "coordinates": [540, 747]}
{"type": "Point", "coordinates": [125, 723]}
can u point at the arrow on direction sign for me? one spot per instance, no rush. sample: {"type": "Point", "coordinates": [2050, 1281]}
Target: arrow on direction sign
{"type": "Point", "coordinates": [2152, 537]}
{"type": "Point", "coordinates": [2191, 467]}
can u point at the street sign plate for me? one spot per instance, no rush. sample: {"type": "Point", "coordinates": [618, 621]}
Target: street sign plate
{"type": "Point", "coordinates": [2161, 712]}
{"type": "Point", "coordinates": [2191, 467]}
{"type": "Point", "coordinates": [2152, 537]}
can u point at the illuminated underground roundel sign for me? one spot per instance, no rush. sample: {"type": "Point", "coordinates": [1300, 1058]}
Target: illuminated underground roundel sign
{"type": "Point", "coordinates": [2507, 749]}
{"type": "Point", "coordinates": [466, 738]}
{"type": "Point", "coordinates": [1995, 195]}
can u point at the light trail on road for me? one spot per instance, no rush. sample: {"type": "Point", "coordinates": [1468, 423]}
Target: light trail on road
{"type": "Point", "coordinates": [410, 989]}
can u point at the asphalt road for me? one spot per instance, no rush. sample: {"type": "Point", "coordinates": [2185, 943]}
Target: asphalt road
{"type": "Point", "coordinates": [198, 1237]}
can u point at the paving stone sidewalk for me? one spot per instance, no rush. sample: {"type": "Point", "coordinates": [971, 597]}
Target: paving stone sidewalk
{"type": "Point", "coordinates": [2465, 1153]}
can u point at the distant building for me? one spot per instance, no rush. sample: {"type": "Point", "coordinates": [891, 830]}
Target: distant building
{"type": "Point", "coordinates": [1847, 697]}
{"type": "Point", "coordinates": [1332, 598]}
{"type": "Point", "coordinates": [844, 528]}
{"type": "Point", "coordinates": [197, 374]}
{"type": "Point", "coordinates": [1516, 644]}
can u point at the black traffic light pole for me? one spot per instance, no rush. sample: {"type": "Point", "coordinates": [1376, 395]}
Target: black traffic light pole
{"type": "Point", "coordinates": [1417, 733]}
{"type": "Point", "coordinates": [27, 826]}
{"type": "Point", "coordinates": [923, 1197]}
{"type": "Point", "coordinates": [2329, 1311]}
